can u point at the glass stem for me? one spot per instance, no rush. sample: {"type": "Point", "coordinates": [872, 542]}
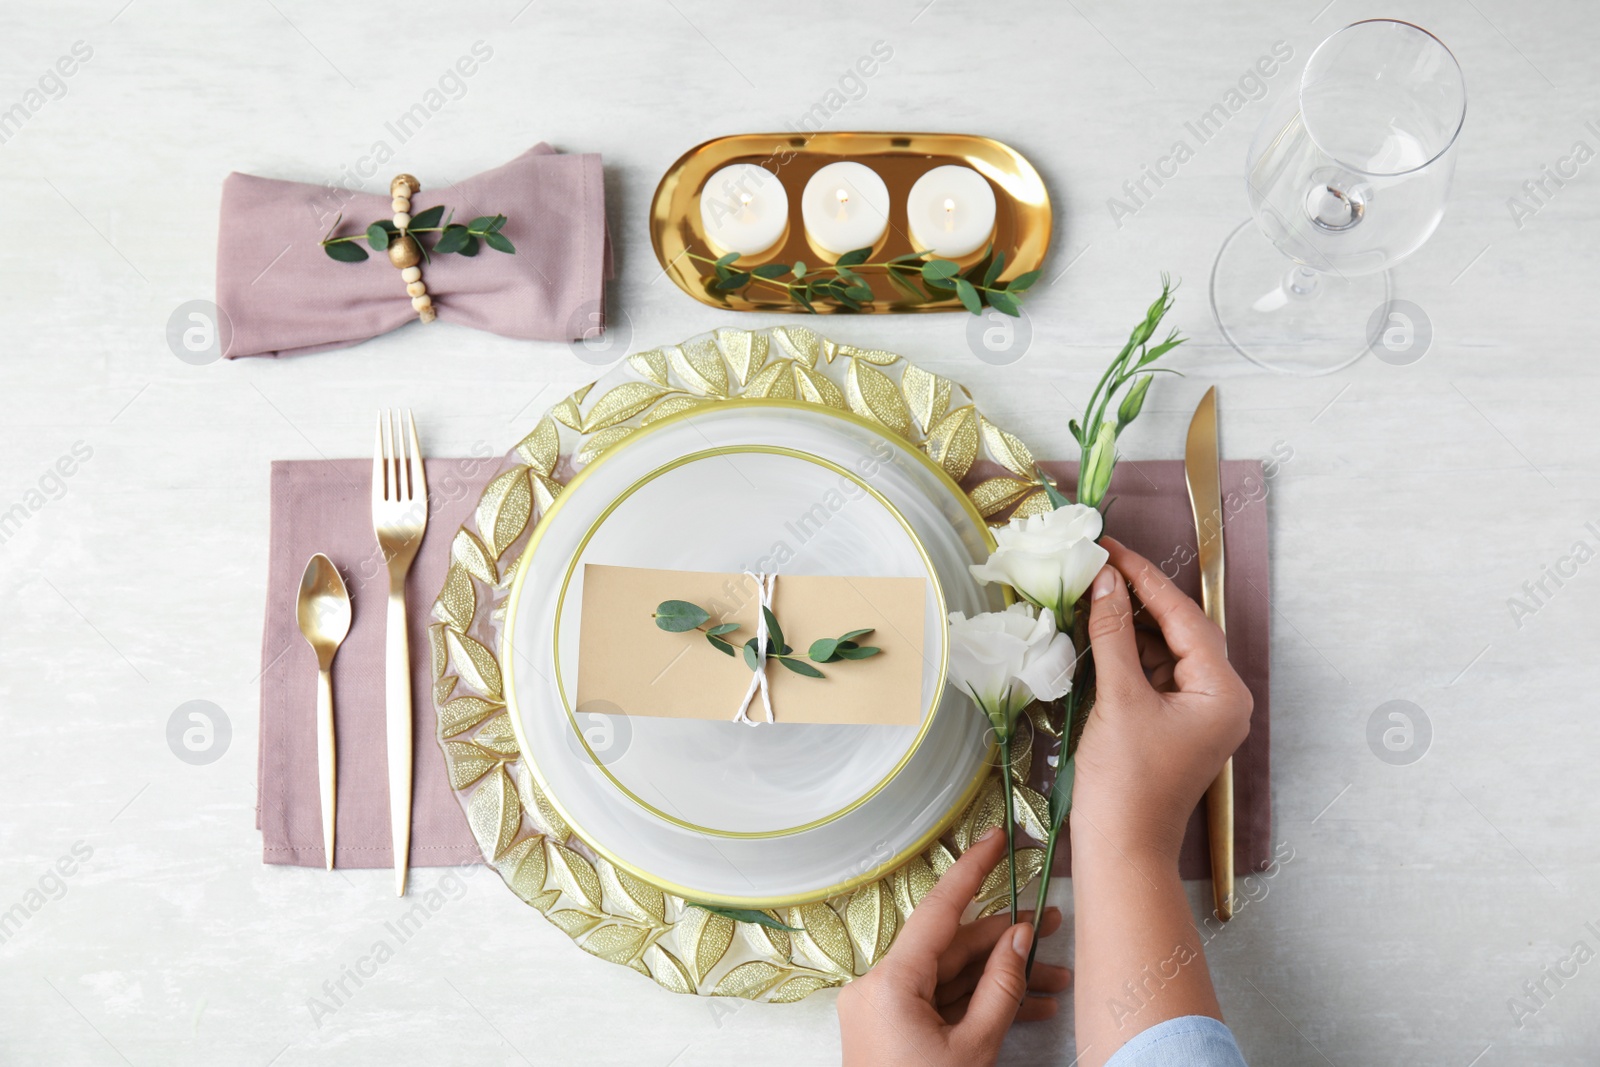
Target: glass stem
{"type": "Point", "coordinates": [1302, 282]}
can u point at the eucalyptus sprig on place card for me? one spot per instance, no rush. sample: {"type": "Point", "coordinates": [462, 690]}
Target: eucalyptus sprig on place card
{"type": "Point", "coordinates": [922, 279]}
{"type": "Point", "coordinates": [680, 616]}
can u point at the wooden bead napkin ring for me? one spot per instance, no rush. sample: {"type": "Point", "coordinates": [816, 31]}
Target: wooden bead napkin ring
{"type": "Point", "coordinates": [399, 237]}
{"type": "Point", "coordinates": [404, 253]}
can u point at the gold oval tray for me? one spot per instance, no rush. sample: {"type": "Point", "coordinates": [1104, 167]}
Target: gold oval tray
{"type": "Point", "coordinates": [1022, 209]}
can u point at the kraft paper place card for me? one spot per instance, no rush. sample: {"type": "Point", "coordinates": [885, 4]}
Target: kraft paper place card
{"type": "Point", "coordinates": [626, 661]}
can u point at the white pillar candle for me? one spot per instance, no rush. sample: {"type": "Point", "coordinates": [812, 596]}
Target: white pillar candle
{"type": "Point", "coordinates": [845, 206]}
{"type": "Point", "coordinates": [744, 209]}
{"type": "Point", "coordinates": [951, 211]}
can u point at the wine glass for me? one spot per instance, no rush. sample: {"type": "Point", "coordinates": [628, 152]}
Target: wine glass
{"type": "Point", "coordinates": [1347, 175]}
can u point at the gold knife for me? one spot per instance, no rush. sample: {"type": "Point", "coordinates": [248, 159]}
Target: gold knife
{"type": "Point", "coordinates": [1202, 470]}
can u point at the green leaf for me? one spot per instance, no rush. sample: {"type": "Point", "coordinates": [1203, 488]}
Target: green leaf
{"type": "Point", "coordinates": [854, 258]}
{"type": "Point", "coordinates": [801, 667]}
{"type": "Point", "coordinates": [799, 269]}
{"type": "Point", "coordinates": [742, 915]}
{"type": "Point", "coordinates": [939, 272]}
{"type": "Point", "coordinates": [863, 652]}
{"type": "Point", "coordinates": [969, 296]}
{"type": "Point", "coordinates": [1004, 303]}
{"type": "Point", "coordinates": [471, 247]}
{"type": "Point", "coordinates": [720, 645]}
{"type": "Point", "coordinates": [771, 270]}
{"type": "Point", "coordinates": [774, 631]}
{"type": "Point", "coordinates": [900, 282]}
{"type": "Point", "coordinates": [1057, 498]}
{"type": "Point", "coordinates": [498, 241]}
{"type": "Point", "coordinates": [1153, 354]}
{"type": "Point", "coordinates": [996, 265]}
{"type": "Point", "coordinates": [735, 280]}
{"type": "Point", "coordinates": [752, 656]}
{"type": "Point", "coordinates": [824, 650]}
{"type": "Point", "coordinates": [482, 223]}
{"type": "Point", "coordinates": [803, 300]}
{"type": "Point", "coordinates": [428, 219]}
{"type": "Point", "coordinates": [451, 240]}
{"type": "Point", "coordinates": [728, 260]}
{"type": "Point", "coordinates": [377, 237]}
{"type": "Point", "coordinates": [345, 252]}
{"type": "Point", "coordinates": [723, 628]}
{"type": "Point", "coordinates": [680, 616]}
{"type": "Point", "coordinates": [1077, 434]}
{"type": "Point", "coordinates": [498, 223]}
{"type": "Point", "coordinates": [853, 634]}
{"type": "Point", "coordinates": [1022, 282]}
{"type": "Point", "coordinates": [860, 292]}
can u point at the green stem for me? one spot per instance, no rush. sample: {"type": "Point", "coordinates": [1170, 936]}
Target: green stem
{"type": "Point", "coordinates": [1011, 818]}
{"type": "Point", "coordinates": [911, 267]}
{"type": "Point", "coordinates": [419, 229]}
{"type": "Point", "coordinates": [1044, 892]}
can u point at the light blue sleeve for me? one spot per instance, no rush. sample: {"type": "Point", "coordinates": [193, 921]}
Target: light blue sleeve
{"type": "Point", "coordinates": [1190, 1041]}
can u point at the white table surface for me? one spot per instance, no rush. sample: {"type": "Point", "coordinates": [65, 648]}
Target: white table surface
{"type": "Point", "coordinates": [1418, 500]}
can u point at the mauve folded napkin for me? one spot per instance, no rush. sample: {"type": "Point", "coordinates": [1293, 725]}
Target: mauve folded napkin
{"type": "Point", "coordinates": [325, 506]}
{"type": "Point", "coordinates": [280, 294]}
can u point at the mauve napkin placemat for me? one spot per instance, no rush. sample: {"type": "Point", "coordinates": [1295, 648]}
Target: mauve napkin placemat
{"type": "Point", "coordinates": [325, 506]}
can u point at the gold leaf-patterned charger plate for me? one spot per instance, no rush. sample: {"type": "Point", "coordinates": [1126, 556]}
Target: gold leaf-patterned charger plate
{"type": "Point", "coordinates": [606, 909]}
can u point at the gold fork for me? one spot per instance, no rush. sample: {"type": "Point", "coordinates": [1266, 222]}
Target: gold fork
{"type": "Point", "coordinates": [399, 517]}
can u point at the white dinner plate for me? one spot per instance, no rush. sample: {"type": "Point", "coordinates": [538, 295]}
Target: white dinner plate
{"type": "Point", "coordinates": [897, 820]}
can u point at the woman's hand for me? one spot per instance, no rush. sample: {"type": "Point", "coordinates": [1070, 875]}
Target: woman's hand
{"type": "Point", "coordinates": [1153, 743]}
{"type": "Point", "coordinates": [1151, 747]}
{"type": "Point", "coordinates": [947, 993]}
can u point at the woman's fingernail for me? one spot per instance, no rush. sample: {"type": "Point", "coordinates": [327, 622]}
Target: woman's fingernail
{"type": "Point", "coordinates": [1022, 939]}
{"type": "Point", "coordinates": [990, 832]}
{"type": "Point", "coordinates": [1103, 583]}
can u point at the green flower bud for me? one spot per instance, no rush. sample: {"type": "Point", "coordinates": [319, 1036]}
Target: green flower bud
{"type": "Point", "coordinates": [1096, 476]}
{"type": "Point", "coordinates": [1133, 400]}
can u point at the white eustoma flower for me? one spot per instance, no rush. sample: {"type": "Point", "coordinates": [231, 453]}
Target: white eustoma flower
{"type": "Point", "coordinates": [1049, 559]}
{"type": "Point", "coordinates": [1007, 659]}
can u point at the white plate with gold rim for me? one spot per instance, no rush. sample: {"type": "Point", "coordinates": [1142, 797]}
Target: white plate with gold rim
{"type": "Point", "coordinates": [729, 509]}
{"type": "Point", "coordinates": [897, 818]}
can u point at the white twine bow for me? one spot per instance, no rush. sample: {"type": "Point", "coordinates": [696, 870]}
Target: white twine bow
{"type": "Point", "coordinates": [765, 584]}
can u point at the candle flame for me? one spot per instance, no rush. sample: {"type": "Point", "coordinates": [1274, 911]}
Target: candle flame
{"type": "Point", "coordinates": [949, 205]}
{"type": "Point", "coordinates": [844, 197]}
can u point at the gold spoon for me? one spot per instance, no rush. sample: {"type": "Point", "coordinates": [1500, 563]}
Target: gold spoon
{"type": "Point", "coordinates": [323, 609]}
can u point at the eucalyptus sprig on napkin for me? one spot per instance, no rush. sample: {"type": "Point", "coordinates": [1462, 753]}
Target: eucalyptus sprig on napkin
{"type": "Point", "coordinates": [453, 236]}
